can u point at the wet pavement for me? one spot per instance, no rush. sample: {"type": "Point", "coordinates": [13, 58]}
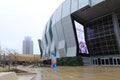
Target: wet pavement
{"type": "Point", "coordinates": [76, 73]}
{"type": "Point", "coordinates": [38, 75]}
{"type": "Point", "coordinates": [25, 77]}
{"type": "Point", "coordinates": [82, 73]}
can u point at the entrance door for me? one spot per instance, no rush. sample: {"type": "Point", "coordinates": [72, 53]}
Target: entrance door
{"type": "Point", "coordinates": [102, 60]}
{"type": "Point", "coordinates": [107, 61]}
{"type": "Point", "coordinates": [111, 61]}
{"type": "Point", "coordinates": [99, 63]}
{"type": "Point", "coordinates": [118, 61]}
{"type": "Point", "coordinates": [115, 61]}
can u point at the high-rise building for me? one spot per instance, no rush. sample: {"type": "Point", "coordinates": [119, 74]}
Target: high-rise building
{"type": "Point", "coordinates": [27, 45]}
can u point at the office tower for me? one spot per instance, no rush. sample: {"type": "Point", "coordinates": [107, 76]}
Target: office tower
{"type": "Point", "coordinates": [27, 45]}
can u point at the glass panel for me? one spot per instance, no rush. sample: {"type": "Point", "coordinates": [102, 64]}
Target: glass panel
{"type": "Point", "coordinates": [50, 30]}
{"type": "Point", "coordinates": [100, 37]}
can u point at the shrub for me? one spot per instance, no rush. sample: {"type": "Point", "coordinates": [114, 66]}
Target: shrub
{"type": "Point", "coordinates": [70, 61]}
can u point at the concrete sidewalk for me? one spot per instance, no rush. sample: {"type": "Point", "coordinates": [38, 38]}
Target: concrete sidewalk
{"type": "Point", "coordinates": [8, 76]}
{"type": "Point", "coordinates": [25, 77]}
{"type": "Point", "coordinates": [34, 73]}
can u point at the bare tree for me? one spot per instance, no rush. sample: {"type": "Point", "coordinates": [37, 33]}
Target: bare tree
{"type": "Point", "coordinates": [12, 59]}
{"type": "Point", "coordinates": [2, 58]}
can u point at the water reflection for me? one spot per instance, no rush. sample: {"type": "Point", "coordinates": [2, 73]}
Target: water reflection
{"type": "Point", "coordinates": [82, 73]}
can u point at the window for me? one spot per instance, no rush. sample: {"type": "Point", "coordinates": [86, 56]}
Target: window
{"type": "Point", "coordinates": [100, 34]}
{"type": "Point", "coordinates": [46, 39]}
{"type": "Point", "coordinates": [50, 30]}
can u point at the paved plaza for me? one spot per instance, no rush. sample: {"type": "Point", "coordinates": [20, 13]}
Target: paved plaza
{"type": "Point", "coordinates": [82, 73]}
{"type": "Point", "coordinates": [71, 73]}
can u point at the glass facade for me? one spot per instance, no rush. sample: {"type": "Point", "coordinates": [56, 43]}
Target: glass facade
{"type": "Point", "coordinates": [50, 30]}
{"type": "Point", "coordinates": [100, 37]}
{"type": "Point", "coordinates": [46, 39]}
{"type": "Point", "coordinates": [118, 16]}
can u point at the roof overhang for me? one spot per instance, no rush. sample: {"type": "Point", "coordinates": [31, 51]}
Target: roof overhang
{"type": "Point", "coordinates": [91, 12]}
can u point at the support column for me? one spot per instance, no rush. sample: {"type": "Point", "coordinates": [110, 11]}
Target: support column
{"type": "Point", "coordinates": [116, 29]}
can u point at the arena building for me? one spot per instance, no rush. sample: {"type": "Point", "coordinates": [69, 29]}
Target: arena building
{"type": "Point", "coordinates": [86, 28]}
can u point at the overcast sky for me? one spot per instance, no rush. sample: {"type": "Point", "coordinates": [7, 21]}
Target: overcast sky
{"type": "Point", "coordinates": [20, 18]}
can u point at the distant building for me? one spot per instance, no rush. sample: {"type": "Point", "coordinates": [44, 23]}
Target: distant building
{"type": "Point", "coordinates": [27, 45]}
{"type": "Point", "coordinates": [39, 43]}
{"type": "Point", "coordinates": [23, 57]}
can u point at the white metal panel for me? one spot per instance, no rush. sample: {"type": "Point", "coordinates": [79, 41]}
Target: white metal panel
{"type": "Point", "coordinates": [60, 31]}
{"type": "Point", "coordinates": [52, 47]}
{"type": "Point", "coordinates": [58, 14]}
{"type": "Point", "coordinates": [61, 48]}
{"type": "Point", "coordinates": [55, 36]}
{"type": "Point", "coordinates": [61, 44]}
{"type": "Point", "coordinates": [68, 31]}
{"type": "Point", "coordinates": [66, 8]}
{"type": "Point", "coordinates": [71, 52]}
{"type": "Point", "coordinates": [83, 3]}
{"type": "Point", "coordinates": [47, 26]}
{"type": "Point", "coordinates": [49, 41]}
{"type": "Point", "coordinates": [94, 2]}
{"type": "Point", "coordinates": [53, 18]}
{"type": "Point", "coordinates": [58, 56]}
{"type": "Point", "coordinates": [74, 5]}
{"type": "Point", "coordinates": [62, 52]}
{"type": "Point", "coordinates": [44, 43]}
